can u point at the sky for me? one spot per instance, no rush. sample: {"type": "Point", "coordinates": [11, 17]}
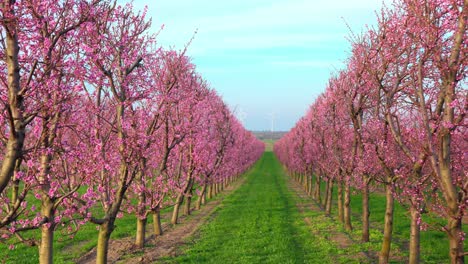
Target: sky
{"type": "Point", "coordinates": [268, 59]}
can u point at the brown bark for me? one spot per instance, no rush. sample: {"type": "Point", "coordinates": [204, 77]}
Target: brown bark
{"type": "Point", "coordinates": [210, 191]}
{"type": "Point", "coordinates": [46, 247]}
{"type": "Point", "coordinates": [340, 202]}
{"type": "Point", "coordinates": [200, 198]}
{"type": "Point", "coordinates": [309, 178]}
{"type": "Point", "coordinates": [317, 194]}
{"type": "Point", "coordinates": [16, 183]}
{"type": "Point", "coordinates": [107, 226]}
{"type": "Point", "coordinates": [306, 182]}
{"type": "Point", "coordinates": [175, 212]}
{"type": "Point", "coordinates": [102, 248]}
{"type": "Point", "coordinates": [188, 201]}
{"type": "Point", "coordinates": [15, 107]}
{"type": "Point", "coordinates": [140, 233]}
{"type": "Point", "coordinates": [347, 207]}
{"type": "Point", "coordinates": [452, 197]}
{"type": "Point", "coordinates": [451, 194]}
{"type": "Point", "coordinates": [47, 202]}
{"type": "Point", "coordinates": [47, 232]}
{"type": "Point", "coordinates": [328, 205]}
{"type": "Point", "coordinates": [327, 190]}
{"type": "Point", "coordinates": [455, 230]}
{"type": "Point", "coordinates": [203, 198]}
{"type": "Point", "coordinates": [388, 226]}
{"type": "Point", "coordinates": [365, 213]}
{"type": "Point", "coordinates": [414, 246]}
{"type": "Point", "coordinates": [141, 217]}
{"type": "Point", "coordinates": [158, 231]}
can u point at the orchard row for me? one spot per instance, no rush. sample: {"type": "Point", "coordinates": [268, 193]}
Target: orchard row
{"type": "Point", "coordinates": [99, 121]}
{"type": "Point", "coordinates": [394, 119]}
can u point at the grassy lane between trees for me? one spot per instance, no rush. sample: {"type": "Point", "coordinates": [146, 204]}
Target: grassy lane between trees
{"type": "Point", "coordinates": [259, 223]}
{"type": "Point", "coordinates": [270, 219]}
{"type": "Point", "coordinates": [434, 242]}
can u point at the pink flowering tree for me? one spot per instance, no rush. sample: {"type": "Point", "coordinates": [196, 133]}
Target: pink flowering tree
{"type": "Point", "coordinates": [42, 36]}
{"type": "Point", "coordinates": [405, 103]}
{"type": "Point", "coordinates": [116, 50]}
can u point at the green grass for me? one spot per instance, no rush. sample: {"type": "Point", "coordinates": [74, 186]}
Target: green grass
{"type": "Point", "coordinates": [434, 243]}
{"type": "Point", "coordinates": [258, 223]}
{"type": "Point", "coordinates": [269, 143]}
{"type": "Point", "coordinates": [66, 250]}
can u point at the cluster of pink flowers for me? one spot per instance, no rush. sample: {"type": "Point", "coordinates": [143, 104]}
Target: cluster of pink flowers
{"type": "Point", "coordinates": [395, 118]}
{"type": "Point", "coordinates": [98, 118]}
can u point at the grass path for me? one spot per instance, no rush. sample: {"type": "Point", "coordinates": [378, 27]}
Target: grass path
{"type": "Point", "coordinates": [259, 223]}
{"type": "Point", "coordinates": [268, 219]}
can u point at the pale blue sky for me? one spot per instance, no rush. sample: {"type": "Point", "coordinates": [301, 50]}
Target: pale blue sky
{"type": "Point", "coordinates": [263, 56]}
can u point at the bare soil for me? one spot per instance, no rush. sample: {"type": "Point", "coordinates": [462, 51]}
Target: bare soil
{"type": "Point", "coordinates": [124, 250]}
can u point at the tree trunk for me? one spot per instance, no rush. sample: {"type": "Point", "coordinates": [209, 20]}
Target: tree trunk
{"type": "Point", "coordinates": [141, 231]}
{"type": "Point", "coordinates": [455, 232]}
{"type": "Point", "coordinates": [47, 212]}
{"type": "Point", "coordinates": [340, 202]}
{"type": "Point", "coordinates": [329, 197]}
{"type": "Point", "coordinates": [15, 183]}
{"type": "Point", "coordinates": [365, 213]}
{"type": "Point", "coordinates": [306, 183]}
{"type": "Point", "coordinates": [175, 212]}
{"type": "Point", "coordinates": [47, 232]}
{"type": "Point", "coordinates": [388, 226]}
{"type": "Point", "coordinates": [317, 194]}
{"type": "Point", "coordinates": [414, 246]}
{"type": "Point", "coordinates": [158, 231]}
{"type": "Point", "coordinates": [105, 231]}
{"type": "Point", "coordinates": [454, 221]}
{"type": "Point", "coordinates": [180, 197]}
{"type": "Point", "coordinates": [210, 191]}
{"type": "Point", "coordinates": [203, 201]}
{"type": "Point", "coordinates": [347, 207]}
{"type": "Point", "coordinates": [200, 198]}
{"type": "Point", "coordinates": [15, 142]}
{"type": "Point", "coordinates": [141, 215]}
{"type": "Point", "coordinates": [188, 201]}
{"type": "Point", "coordinates": [46, 247]}
{"type": "Point", "coordinates": [451, 193]}
{"type": "Point", "coordinates": [327, 190]}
